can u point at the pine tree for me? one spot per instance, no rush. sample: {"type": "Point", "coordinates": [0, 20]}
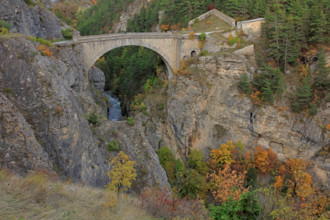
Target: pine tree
{"type": "Point", "coordinates": [244, 84]}
{"type": "Point", "coordinates": [318, 25]}
{"type": "Point", "coordinates": [303, 95]}
{"type": "Point", "coordinates": [267, 93]}
{"type": "Point", "coordinates": [322, 79]}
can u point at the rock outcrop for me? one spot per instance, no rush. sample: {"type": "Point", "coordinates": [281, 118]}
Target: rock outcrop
{"type": "Point", "coordinates": [33, 20]}
{"type": "Point", "coordinates": [97, 78]}
{"type": "Point", "coordinates": [206, 109]}
{"type": "Point", "coordinates": [132, 9]}
{"type": "Point", "coordinates": [44, 106]}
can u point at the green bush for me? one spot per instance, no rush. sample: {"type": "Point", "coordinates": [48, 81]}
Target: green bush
{"type": "Point", "coordinates": [202, 36]}
{"type": "Point", "coordinates": [312, 109]}
{"type": "Point", "coordinates": [29, 2]}
{"type": "Point", "coordinates": [167, 161]}
{"type": "Point", "coordinates": [4, 24]}
{"type": "Point", "coordinates": [130, 121]}
{"type": "Point", "coordinates": [41, 41]}
{"type": "Point", "coordinates": [195, 161]}
{"type": "Point", "coordinates": [113, 146]}
{"type": "Point", "coordinates": [34, 39]}
{"type": "Point", "coordinates": [44, 42]}
{"type": "Point", "coordinates": [204, 53]}
{"type": "Point", "coordinates": [93, 119]}
{"type": "Point", "coordinates": [165, 154]}
{"type": "Point", "coordinates": [192, 185]}
{"type": "Point", "coordinates": [246, 208]}
{"type": "Point", "coordinates": [67, 33]}
{"type": "Point", "coordinates": [251, 178]}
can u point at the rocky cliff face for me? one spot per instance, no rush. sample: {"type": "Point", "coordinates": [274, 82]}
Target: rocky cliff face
{"type": "Point", "coordinates": [205, 109]}
{"type": "Point", "coordinates": [132, 9]}
{"type": "Point", "coordinates": [44, 102]}
{"type": "Point", "coordinates": [31, 20]}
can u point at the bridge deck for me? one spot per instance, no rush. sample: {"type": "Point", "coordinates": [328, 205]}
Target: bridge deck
{"type": "Point", "coordinates": [105, 37]}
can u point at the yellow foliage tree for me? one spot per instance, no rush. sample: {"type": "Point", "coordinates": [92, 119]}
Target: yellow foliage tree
{"type": "Point", "coordinates": [4, 30]}
{"type": "Point", "coordinates": [122, 173]}
{"type": "Point", "coordinates": [222, 155]}
{"type": "Point", "coordinates": [301, 179]}
{"type": "Point", "coordinates": [303, 184]}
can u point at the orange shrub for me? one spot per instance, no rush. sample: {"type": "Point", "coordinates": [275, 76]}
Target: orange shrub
{"type": "Point", "coordinates": [183, 64]}
{"type": "Point", "coordinates": [255, 96]}
{"type": "Point", "coordinates": [227, 183]}
{"type": "Point", "coordinates": [302, 181]}
{"type": "Point", "coordinates": [164, 27]}
{"type": "Point", "coordinates": [278, 182]}
{"type": "Point", "coordinates": [45, 51]}
{"type": "Point", "coordinates": [303, 184]}
{"type": "Point", "coordinates": [294, 165]}
{"type": "Point", "coordinates": [265, 161]}
{"type": "Point", "coordinates": [192, 35]}
{"type": "Point", "coordinates": [175, 27]}
{"type": "Point", "coordinates": [58, 110]}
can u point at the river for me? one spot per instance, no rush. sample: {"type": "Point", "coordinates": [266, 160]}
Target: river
{"type": "Point", "coordinates": [115, 110]}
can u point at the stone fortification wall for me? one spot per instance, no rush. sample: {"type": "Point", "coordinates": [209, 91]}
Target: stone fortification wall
{"type": "Point", "coordinates": [252, 28]}
{"type": "Point", "coordinates": [217, 13]}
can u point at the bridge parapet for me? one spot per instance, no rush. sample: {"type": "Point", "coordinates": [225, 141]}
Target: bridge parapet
{"type": "Point", "coordinates": [144, 35]}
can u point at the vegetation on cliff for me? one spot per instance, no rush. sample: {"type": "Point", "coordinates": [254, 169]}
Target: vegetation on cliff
{"type": "Point", "coordinates": [239, 184]}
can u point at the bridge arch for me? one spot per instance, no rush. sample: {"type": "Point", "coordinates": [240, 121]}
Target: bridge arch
{"type": "Point", "coordinates": [170, 47]}
{"type": "Point", "coordinates": [164, 57]}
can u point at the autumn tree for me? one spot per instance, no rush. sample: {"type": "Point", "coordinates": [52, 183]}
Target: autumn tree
{"type": "Point", "coordinates": [122, 173]}
{"type": "Point", "coordinates": [301, 180]}
{"type": "Point", "coordinates": [264, 161]}
{"type": "Point", "coordinates": [227, 183]}
{"type": "Point", "coordinates": [222, 155]}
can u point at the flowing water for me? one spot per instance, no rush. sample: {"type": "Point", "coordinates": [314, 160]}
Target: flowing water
{"type": "Point", "coordinates": [115, 110]}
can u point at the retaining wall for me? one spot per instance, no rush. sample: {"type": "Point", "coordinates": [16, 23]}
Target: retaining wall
{"type": "Point", "coordinates": [216, 13]}
{"type": "Point", "coordinates": [252, 28]}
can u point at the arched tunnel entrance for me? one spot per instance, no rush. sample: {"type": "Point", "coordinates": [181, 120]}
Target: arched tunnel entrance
{"type": "Point", "coordinates": [131, 73]}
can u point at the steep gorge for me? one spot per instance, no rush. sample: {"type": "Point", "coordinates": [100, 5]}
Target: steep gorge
{"type": "Point", "coordinates": [43, 108]}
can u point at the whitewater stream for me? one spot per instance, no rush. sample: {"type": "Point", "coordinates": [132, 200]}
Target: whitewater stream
{"type": "Point", "coordinates": [115, 110]}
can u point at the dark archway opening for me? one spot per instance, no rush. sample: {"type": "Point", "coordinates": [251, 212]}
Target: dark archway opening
{"type": "Point", "coordinates": [130, 71]}
{"type": "Point", "coordinates": [193, 53]}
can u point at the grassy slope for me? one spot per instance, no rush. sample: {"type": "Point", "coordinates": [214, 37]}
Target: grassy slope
{"type": "Point", "coordinates": [212, 23]}
{"type": "Point", "coordinates": [36, 197]}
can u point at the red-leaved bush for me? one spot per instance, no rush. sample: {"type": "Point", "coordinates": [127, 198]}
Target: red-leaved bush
{"type": "Point", "coordinates": [160, 204]}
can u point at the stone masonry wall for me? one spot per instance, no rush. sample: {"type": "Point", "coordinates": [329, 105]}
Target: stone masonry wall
{"type": "Point", "coordinates": [252, 28]}
{"type": "Point", "coordinates": [216, 13]}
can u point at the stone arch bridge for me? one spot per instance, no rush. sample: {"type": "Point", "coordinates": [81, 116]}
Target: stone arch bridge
{"type": "Point", "coordinates": [171, 47]}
